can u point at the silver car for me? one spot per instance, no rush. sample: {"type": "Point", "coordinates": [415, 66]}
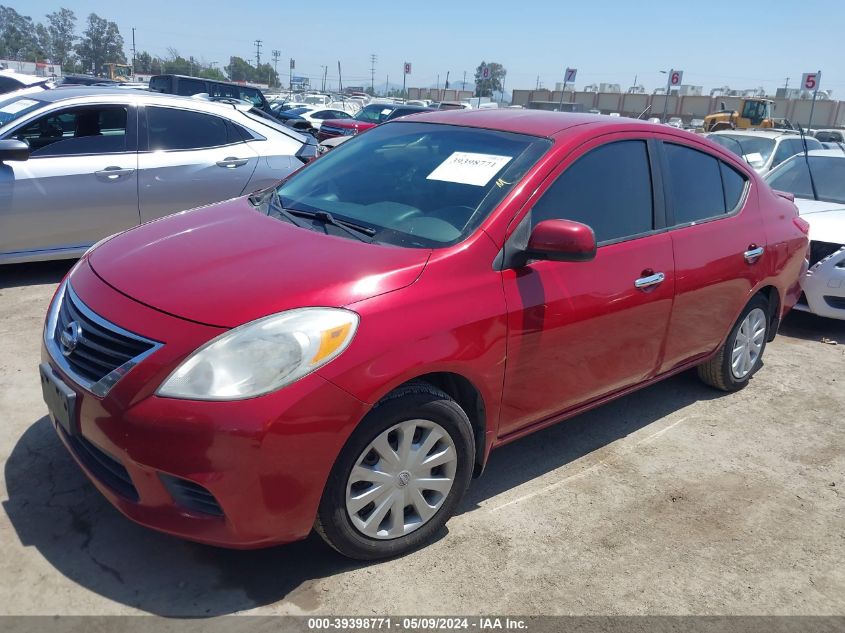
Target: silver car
{"type": "Point", "coordinates": [79, 164]}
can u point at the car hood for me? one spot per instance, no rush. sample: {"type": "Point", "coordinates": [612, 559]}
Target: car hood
{"type": "Point", "coordinates": [827, 219]}
{"type": "Point", "coordinates": [227, 264]}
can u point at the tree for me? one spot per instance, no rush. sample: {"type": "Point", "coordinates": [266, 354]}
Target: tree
{"type": "Point", "coordinates": [42, 43]}
{"type": "Point", "coordinates": [101, 42]}
{"type": "Point", "coordinates": [62, 31]}
{"type": "Point", "coordinates": [17, 39]}
{"type": "Point", "coordinates": [486, 87]}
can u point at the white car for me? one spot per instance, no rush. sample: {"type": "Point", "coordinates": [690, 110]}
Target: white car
{"type": "Point", "coordinates": [763, 150]}
{"type": "Point", "coordinates": [818, 183]}
{"type": "Point", "coordinates": [11, 81]}
{"type": "Point", "coordinates": [316, 115]}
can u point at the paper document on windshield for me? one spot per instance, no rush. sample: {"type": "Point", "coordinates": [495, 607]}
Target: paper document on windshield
{"type": "Point", "coordinates": [754, 158]}
{"type": "Point", "coordinates": [17, 106]}
{"type": "Point", "coordinates": [468, 168]}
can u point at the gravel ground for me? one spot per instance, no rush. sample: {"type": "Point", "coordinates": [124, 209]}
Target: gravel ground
{"type": "Point", "coordinates": [674, 500]}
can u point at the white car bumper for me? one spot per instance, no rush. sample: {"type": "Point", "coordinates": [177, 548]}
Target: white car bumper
{"type": "Point", "coordinates": [824, 287]}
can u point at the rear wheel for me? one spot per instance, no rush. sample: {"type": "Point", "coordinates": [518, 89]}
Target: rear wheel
{"type": "Point", "coordinates": [400, 476]}
{"type": "Point", "coordinates": [742, 353]}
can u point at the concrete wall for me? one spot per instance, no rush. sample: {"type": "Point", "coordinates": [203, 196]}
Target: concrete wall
{"type": "Point", "coordinates": [826, 114]}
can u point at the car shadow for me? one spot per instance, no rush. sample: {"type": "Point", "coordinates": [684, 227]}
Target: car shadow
{"type": "Point", "coordinates": [34, 273]}
{"type": "Point", "coordinates": [809, 327]}
{"type": "Point", "coordinates": [55, 509]}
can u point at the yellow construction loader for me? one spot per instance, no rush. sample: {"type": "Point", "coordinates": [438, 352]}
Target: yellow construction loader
{"type": "Point", "coordinates": [117, 72]}
{"type": "Point", "coordinates": [754, 112]}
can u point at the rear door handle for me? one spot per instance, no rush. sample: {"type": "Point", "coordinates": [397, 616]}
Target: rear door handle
{"type": "Point", "coordinates": [113, 173]}
{"type": "Point", "coordinates": [232, 161]}
{"type": "Point", "coordinates": [753, 253]}
{"type": "Point", "coordinates": [650, 280]}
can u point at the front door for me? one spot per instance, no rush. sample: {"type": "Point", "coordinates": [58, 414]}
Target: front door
{"type": "Point", "coordinates": [79, 185]}
{"type": "Point", "coordinates": [579, 331]}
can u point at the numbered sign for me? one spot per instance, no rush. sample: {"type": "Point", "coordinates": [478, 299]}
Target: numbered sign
{"type": "Point", "coordinates": [675, 78]}
{"type": "Point", "coordinates": [485, 72]}
{"type": "Point", "coordinates": [810, 81]}
{"type": "Point", "coordinates": [292, 63]}
{"type": "Point", "coordinates": [569, 76]}
{"type": "Point", "coordinates": [407, 68]}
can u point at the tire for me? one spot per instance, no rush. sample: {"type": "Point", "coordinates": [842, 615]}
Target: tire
{"type": "Point", "coordinates": [731, 369]}
{"type": "Point", "coordinates": [419, 414]}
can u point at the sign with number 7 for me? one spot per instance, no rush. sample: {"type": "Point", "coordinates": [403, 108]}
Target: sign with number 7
{"type": "Point", "coordinates": [810, 81]}
{"type": "Point", "coordinates": [569, 77]}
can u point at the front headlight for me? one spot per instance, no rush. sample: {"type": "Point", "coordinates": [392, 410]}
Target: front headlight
{"type": "Point", "coordinates": [263, 355]}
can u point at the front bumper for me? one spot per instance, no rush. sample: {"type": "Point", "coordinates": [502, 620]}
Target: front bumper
{"type": "Point", "coordinates": [263, 462]}
{"type": "Point", "coordinates": [824, 287]}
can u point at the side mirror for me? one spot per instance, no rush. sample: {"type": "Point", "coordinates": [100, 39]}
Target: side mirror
{"type": "Point", "coordinates": [13, 149]}
{"type": "Point", "coordinates": [562, 241]}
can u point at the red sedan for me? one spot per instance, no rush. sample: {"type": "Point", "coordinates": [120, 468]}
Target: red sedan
{"type": "Point", "coordinates": [343, 351]}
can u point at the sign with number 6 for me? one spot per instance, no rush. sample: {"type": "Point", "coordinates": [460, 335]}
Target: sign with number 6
{"type": "Point", "coordinates": [676, 77]}
{"type": "Point", "coordinates": [810, 81]}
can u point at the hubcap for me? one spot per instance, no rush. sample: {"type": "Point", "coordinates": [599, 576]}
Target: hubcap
{"type": "Point", "coordinates": [748, 343]}
{"type": "Point", "coordinates": [401, 479]}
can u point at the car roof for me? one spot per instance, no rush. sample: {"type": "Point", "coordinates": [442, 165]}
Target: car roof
{"type": "Point", "coordinates": [774, 134]}
{"type": "Point", "coordinates": [534, 122]}
{"type": "Point", "coordinates": [27, 80]}
{"type": "Point", "coordinates": [97, 94]}
{"type": "Point", "coordinates": [831, 153]}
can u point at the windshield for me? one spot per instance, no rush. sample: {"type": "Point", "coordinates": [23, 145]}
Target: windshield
{"type": "Point", "coordinates": [828, 176]}
{"type": "Point", "coordinates": [374, 113]}
{"type": "Point", "coordinates": [16, 107]}
{"type": "Point", "coordinates": [415, 184]}
{"type": "Point", "coordinates": [753, 149]}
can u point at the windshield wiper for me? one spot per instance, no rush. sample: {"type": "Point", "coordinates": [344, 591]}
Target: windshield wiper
{"type": "Point", "coordinates": [358, 231]}
{"type": "Point", "coordinates": [274, 204]}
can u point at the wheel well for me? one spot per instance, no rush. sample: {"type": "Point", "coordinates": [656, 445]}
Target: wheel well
{"type": "Point", "coordinates": [771, 294]}
{"type": "Point", "coordinates": [462, 391]}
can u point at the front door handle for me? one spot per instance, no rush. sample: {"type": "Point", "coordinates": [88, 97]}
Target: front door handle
{"type": "Point", "coordinates": [232, 161]}
{"type": "Point", "coordinates": [650, 280]}
{"type": "Point", "coordinates": [113, 172]}
{"type": "Point", "coordinates": [753, 253]}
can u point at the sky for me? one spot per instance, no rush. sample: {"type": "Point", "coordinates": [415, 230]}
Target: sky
{"type": "Point", "coordinates": [715, 43]}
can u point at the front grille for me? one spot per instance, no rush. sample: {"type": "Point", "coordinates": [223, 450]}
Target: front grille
{"type": "Point", "coordinates": [191, 496]}
{"type": "Point", "coordinates": [102, 465]}
{"type": "Point", "coordinates": [334, 131]}
{"type": "Point", "coordinates": [820, 250]}
{"type": "Point", "coordinates": [835, 302]}
{"type": "Point", "coordinates": [95, 352]}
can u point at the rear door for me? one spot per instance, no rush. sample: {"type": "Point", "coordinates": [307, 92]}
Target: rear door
{"type": "Point", "coordinates": [189, 159]}
{"type": "Point", "coordinates": [579, 331]}
{"type": "Point", "coordinates": [719, 247]}
{"type": "Point", "coordinates": [79, 185]}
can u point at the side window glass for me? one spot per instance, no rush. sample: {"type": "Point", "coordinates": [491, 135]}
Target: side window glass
{"type": "Point", "coordinates": [696, 184]}
{"type": "Point", "coordinates": [608, 189]}
{"type": "Point", "coordinates": [89, 130]}
{"type": "Point", "coordinates": [734, 185]}
{"type": "Point", "coordinates": [786, 149]}
{"type": "Point", "coordinates": [171, 129]}
{"type": "Point", "coordinates": [189, 87]}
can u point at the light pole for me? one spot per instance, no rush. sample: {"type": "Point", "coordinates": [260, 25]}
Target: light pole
{"type": "Point", "coordinates": [668, 74]}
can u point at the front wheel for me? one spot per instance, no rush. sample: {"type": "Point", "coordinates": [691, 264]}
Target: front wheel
{"type": "Point", "coordinates": [400, 476]}
{"type": "Point", "coordinates": [742, 353]}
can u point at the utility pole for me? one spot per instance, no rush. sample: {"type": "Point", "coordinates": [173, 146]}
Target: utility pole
{"type": "Point", "coordinates": [464, 82]}
{"type": "Point", "coordinates": [325, 72]}
{"type": "Point", "coordinates": [133, 52]}
{"type": "Point", "coordinates": [537, 86]}
{"type": "Point", "coordinates": [373, 59]}
{"type": "Point", "coordinates": [276, 55]}
{"type": "Point", "coordinates": [387, 85]}
{"type": "Point", "coordinates": [786, 89]}
{"type": "Point", "coordinates": [339, 78]}
{"type": "Point", "coordinates": [447, 79]}
{"type": "Point", "coordinates": [257, 53]}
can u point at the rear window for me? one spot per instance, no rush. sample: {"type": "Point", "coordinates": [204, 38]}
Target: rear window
{"type": "Point", "coordinates": [828, 176]}
{"type": "Point", "coordinates": [755, 150]}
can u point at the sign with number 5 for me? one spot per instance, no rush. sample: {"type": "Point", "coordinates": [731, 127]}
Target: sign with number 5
{"type": "Point", "coordinates": [676, 77]}
{"type": "Point", "coordinates": [810, 81]}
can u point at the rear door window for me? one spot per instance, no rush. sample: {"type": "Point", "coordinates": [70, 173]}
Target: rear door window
{"type": "Point", "coordinates": [609, 189]}
{"type": "Point", "coordinates": [171, 129]}
{"type": "Point", "coordinates": [695, 181]}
